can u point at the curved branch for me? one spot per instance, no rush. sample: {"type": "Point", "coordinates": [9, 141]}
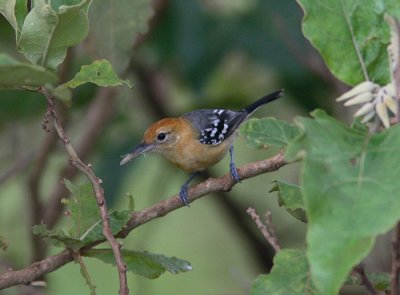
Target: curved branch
{"type": "Point", "coordinates": [223, 183]}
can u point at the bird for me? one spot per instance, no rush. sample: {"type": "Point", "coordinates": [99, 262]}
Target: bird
{"type": "Point", "coordinates": [197, 140]}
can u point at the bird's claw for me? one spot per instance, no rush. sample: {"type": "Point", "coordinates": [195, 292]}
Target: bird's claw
{"type": "Point", "coordinates": [184, 196]}
{"type": "Point", "coordinates": [234, 172]}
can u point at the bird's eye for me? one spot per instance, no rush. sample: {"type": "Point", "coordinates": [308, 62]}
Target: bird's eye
{"type": "Point", "coordinates": [161, 136]}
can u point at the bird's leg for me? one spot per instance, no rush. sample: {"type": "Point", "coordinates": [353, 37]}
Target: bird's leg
{"type": "Point", "coordinates": [232, 166]}
{"type": "Point", "coordinates": [183, 194]}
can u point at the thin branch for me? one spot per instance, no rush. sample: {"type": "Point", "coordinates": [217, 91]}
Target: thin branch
{"type": "Point", "coordinates": [266, 229]}
{"type": "Point", "coordinates": [98, 190]}
{"type": "Point", "coordinates": [223, 183]}
{"type": "Point", "coordinates": [359, 269]}
{"type": "Point", "coordinates": [99, 114]}
{"type": "Point", "coordinates": [395, 273]}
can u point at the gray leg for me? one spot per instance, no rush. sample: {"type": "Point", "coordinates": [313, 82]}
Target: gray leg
{"type": "Point", "coordinates": [232, 166]}
{"type": "Point", "coordinates": [183, 194]}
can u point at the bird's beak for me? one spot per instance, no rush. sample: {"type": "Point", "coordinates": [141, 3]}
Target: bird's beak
{"type": "Point", "coordinates": [139, 150]}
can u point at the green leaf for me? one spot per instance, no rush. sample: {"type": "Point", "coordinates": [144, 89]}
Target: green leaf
{"type": "Point", "coordinates": [289, 197]}
{"type": "Point", "coordinates": [87, 223]}
{"type": "Point", "coordinates": [23, 74]}
{"type": "Point", "coordinates": [14, 12]}
{"type": "Point", "coordinates": [100, 72]}
{"type": "Point", "coordinates": [145, 264]}
{"type": "Point", "coordinates": [49, 29]}
{"type": "Point", "coordinates": [349, 178]}
{"type": "Point", "coordinates": [289, 275]}
{"type": "Point", "coordinates": [57, 237]}
{"type": "Point", "coordinates": [351, 36]}
{"type": "Point", "coordinates": [260, 133]}
{"type": "Point", "coordinates": [115, 25]}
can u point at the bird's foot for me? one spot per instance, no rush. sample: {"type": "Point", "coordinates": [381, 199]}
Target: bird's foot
{"type": "Point", "coordinates": [234, 172]}
{"type": "Point", "coordinates": [184, 196]}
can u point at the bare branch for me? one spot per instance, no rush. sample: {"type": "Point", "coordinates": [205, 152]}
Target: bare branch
{"type": "Point", "coordinates": [267, 229]}
{"type": "Point", "coordinates": [98, 190]}
{"type": "Point", "coordinates": [223, 183]}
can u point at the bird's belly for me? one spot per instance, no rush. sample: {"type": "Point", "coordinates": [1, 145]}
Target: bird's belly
{"type": "Point", "coordinates": [200, 157]}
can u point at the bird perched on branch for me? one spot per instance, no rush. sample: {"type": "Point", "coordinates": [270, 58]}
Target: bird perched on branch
{"type": "Point", "coordinates": [197, 140]}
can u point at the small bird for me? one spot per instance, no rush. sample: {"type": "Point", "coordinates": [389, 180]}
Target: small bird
{"type": "Point", "coordinates": [197, 140]}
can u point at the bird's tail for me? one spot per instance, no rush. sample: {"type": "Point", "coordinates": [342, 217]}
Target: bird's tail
{"type": "Point", "coordinates": [264, 100]}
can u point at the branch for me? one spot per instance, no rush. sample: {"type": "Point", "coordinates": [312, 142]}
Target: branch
{"type": "Point", "coordinates": [223, 183]}
{"type": "Point", "coordinates": [98, 190]}
{"type": "Point", "coordinates": [266, 229]}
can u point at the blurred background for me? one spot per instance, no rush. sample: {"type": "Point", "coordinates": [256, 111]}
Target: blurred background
{"type": "Point", "coordinates": [187, 55]}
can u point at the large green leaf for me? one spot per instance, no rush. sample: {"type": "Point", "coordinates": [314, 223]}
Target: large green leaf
{"type": "Point", "coordinates": [115, 25]}
{"type": "Point", "coordinates": [14, 11]}
{"type": "Point", "coordinates": [268, 131]}
{"type": "Point", "coordinates": [23, 74]}
{"type": "Point", "coordinates": [351, 36]}
{"type": "Point", "coordinates": [49, 29]}
{"type": "Point", "coordinates": [350, 188]}
{"type": "Point", "coordinates": [146, 264]}
{"type": "Point", "coordinates": [289, 275]}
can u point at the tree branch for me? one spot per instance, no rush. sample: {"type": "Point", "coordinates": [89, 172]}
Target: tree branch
{"type": "Point", "coordinates": [98, 190]}
{"type": "Point", "coordinates": [267, 229]}
{"type": "Point", "coordinates": [223, 183]}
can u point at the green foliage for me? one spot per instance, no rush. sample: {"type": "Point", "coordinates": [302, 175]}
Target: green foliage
{"type": "Point", "coordinates": [349, 178]}
{"type": "Point", "coordinates": [100, 72]}
{"type": "Point", "coordinates": [289, 197]}
{"type": "Point", "coordinates": [145, 264]}
{"type": "Point", "coordinates": [289, 275]}
{"type": "Point", "coordinates": [23, 74]}
{"type": "Point", "coordinates": [14, 11]}
{"type": "Point", "coordinates": [113, 30]}
{"type": "Point", "coordinates": [49, 30]}
{"type": "Point", "coordinates": [351, 36]}
{"type": "Point", "coordinates": [259, 133]}
{"type": "Point", "coordinates": [86, 221]}
{"type": "Point", "coordinates": [3, 243]}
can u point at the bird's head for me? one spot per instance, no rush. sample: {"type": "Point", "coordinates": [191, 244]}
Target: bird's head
{"type": "Point", "coordinates": [159, 138]}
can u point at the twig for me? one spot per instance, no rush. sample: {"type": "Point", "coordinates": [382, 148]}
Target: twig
{"type": "Point", "coordinates": [395, 273]}
{"type": "Point", "coordinates": [99, 114]}
{"type": "Point", "coordinates": [98, 190]}
{"type": "Point", "coordinates": [266, 229]}
{"type": "Point", "coordinates": [359, 269]}
{"type": "Point", "coordinates": [223, 183]}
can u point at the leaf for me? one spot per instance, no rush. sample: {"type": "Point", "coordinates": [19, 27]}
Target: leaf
{"type": "Point", "coordinates": [100, 72]}
{"type": "Point", "coordinates": [145, 264]}
{"type": "Point", "coordinates": [289, 275]}
{"type": "Point", "coordinates": [349, 177]}
{"type": "Point", "coordinates": [57, 237]}
{"type": "Point", "coordinates": [289, 197]}
{"type": "Point", "coordinates": [351, 36]}
{"type": "Point", "coordinates": [23, 74]}
{"type": "Point", "coordinates": [87, 223]}
{"type": "Point", "coordinates": [49, 29]}
{"type": "Point", "coordinates": [115, 25]}
{"type": "Point", "coordinates": [14, 11]}
{"type": "Point", "coordinates": [260, 133]}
